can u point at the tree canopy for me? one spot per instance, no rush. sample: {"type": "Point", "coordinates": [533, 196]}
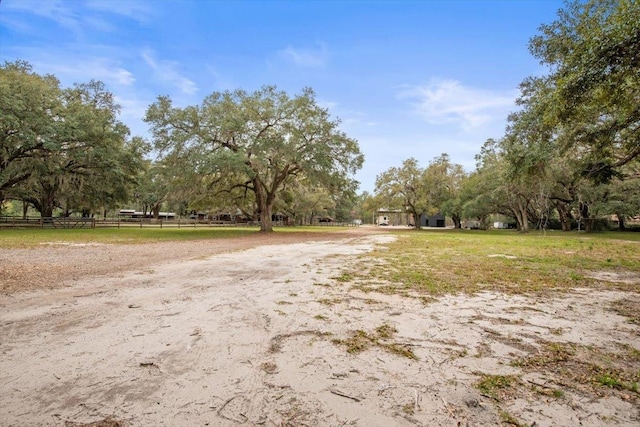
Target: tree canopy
{"type": "Point", "coordinates": [63, 148]}
{"type": "Point", "coordinates": [253, 143]}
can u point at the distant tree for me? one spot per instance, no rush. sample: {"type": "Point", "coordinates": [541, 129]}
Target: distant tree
{"type": "Point", "coordinates": [405, 188]}
{"type": "Point", "coordinates": [302, 201]}
{"type": "Point", "coordinates": [445, 181]}
{"type": "Point", "coordinates": [264, 138]}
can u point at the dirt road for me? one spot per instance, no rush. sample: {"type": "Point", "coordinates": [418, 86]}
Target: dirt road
{"type": "Point", "coordinates": [261, 336]}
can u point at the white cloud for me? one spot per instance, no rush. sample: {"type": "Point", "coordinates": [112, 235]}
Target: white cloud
{"type": "Point", "coordinates": [306, 57]}
{"type": "Point", "coordinates": [54, 10]}
{"type": "Point", "coordinates": [168, 72]}
{"type": "Point", "coordinates": [449, 102]}
{"type": "Point", "coordinates": [85, 69]}
{"type": "Point", "coordinates": [140, 11]}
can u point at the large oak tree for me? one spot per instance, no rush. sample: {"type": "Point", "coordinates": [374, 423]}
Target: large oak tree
{"type": "Point", "coordinates": [263, 139]}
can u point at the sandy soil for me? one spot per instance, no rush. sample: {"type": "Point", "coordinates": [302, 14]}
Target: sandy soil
{"type": "Point", "coordinates": [255, 333]}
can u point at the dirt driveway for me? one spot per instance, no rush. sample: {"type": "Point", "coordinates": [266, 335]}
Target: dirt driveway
{"type": "Point", "coordinates": [265, 333]}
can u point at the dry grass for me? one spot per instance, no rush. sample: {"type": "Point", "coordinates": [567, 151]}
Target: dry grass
{"type": "Point", "coordinates": [382, 337]}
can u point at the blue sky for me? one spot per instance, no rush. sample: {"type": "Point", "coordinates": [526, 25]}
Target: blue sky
{"type": "Point", "coordinates": [407, 78]}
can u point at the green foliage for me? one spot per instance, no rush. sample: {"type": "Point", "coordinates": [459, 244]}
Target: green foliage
{"type": "Point", "coordinates": [63, 148]}
{"type": "Point", "coordinates": [591, 100]}
{"type": "Point", "coordinates": [251, 144]}
{"type": "Point", "coordinates": [421, 191]}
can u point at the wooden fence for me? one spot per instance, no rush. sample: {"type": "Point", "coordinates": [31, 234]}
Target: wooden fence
{"type": "Point", "coordinates": [74, 222]}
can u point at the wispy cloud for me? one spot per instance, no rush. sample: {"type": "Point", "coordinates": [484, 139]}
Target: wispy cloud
{"type": "Point", "coordinates": [54, 10]}
{"type": "Point", "coordinates": [87, 68]}
{"type": "Point", "coordinates": [140, 11]}
{"type": "Point", "coordinates": [302, 57]}
{"type": "Point", "coordinates": [77, 17]}
{"type": "Point", "coordinates": [449, 102]}
{"type": "Point", "coordinates": [168, 72]}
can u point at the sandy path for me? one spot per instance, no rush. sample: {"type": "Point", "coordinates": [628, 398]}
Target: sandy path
{"type": "Point", "coordinates": [247, 338]}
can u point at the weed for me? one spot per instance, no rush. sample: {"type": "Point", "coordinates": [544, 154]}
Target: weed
{"type": "Point", "coordinates": [269, 367]}
{"type": "Point", "coordinates": [409, 408]}
{"type": "Point", "coordinates": [386, 331]}
{"type": "Point", "coordinates": [361, 340]}
{"type": "Point", "coordinates": [508, 419]}
{"type": "Point", "coordinates": [329, 301]}
{"type": "Point", "coordinates": [494, 385]}
{"type": "Point", "coordinates": [609, 381]}
{"type": "Point", "coordinates": [344, 278]}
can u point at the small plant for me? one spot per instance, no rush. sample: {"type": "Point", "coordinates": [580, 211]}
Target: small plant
{"type": "Point", "coordinates": [409, 409]}
{"type": "Point", "coordinates": [269, 367]}
{"type": "Point", "coordinates": [344, 278]}
{"type": "Point", "coordinates": [329, 301]}
{"type": "Point", "coordinates": [493, 385]}
{"type": "Point", "coordinates": [386, 331]}
{"type": "Point", "coordinates": [608, 380]}
{"type": "Point", "coordinates": [360, 340]}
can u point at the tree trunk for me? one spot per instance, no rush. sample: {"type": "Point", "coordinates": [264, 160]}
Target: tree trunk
{"type": "Point", "coordinates": [522, 217]}
{"type": "Point", "coordinates": [584, 215]}
{"type": "Point", "coordinates": [621, 224]}
{"type": "Point", "coordinates": [47, 200]}
{"type": "Point", "coordinates": [564, 214]}
{"type": "Point", "coordinates": [265, 207]}
{"type": "Point", "coordinates": [457, 222]}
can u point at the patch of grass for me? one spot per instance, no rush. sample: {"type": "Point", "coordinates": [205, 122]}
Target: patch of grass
{"type": "Point", "coordinates": [269, 367]}
{"type": "Point", "coordinates": [454, 261]}
{"type": "Point", "coordinates": [586, 368]}
{"type": "Point", "coordinates": [37, 237]}
{"type": "Point", "coordinates": [629, 308]}
{"type": "Point", "coordinates": [324, 285]}
{"type": "Point", "coordinates": [386, 331]}
{"type": "Point", "coordinates": [330, 301]}
{"type": "Point", "coordinates": [344, 278]}
{"type": "Point", "coordinates": [495, 386]}
{"type": "Point", "coordinates": [361, 340]}
{"type": "Point", "coordinates": [608, 380]}
{"type": "Point", "coordinates": [508, 419]}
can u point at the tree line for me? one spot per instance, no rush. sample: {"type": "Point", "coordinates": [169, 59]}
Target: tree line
{"type": "Point", "coordinates": [570, 154]}
{"type": "Point", "coordinates": [64, 150]}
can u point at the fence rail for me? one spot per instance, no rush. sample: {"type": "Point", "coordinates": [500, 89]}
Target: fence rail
{"type": "Point", "coordinates": [74, 222]}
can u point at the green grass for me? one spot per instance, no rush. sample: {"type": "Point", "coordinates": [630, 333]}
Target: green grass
{"type": "Point", "coordinates": [453, 261]}
{"type": "Point", "coordinates": [36, 237]}
{"type": "Point", "coordinates": [11, 238]}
